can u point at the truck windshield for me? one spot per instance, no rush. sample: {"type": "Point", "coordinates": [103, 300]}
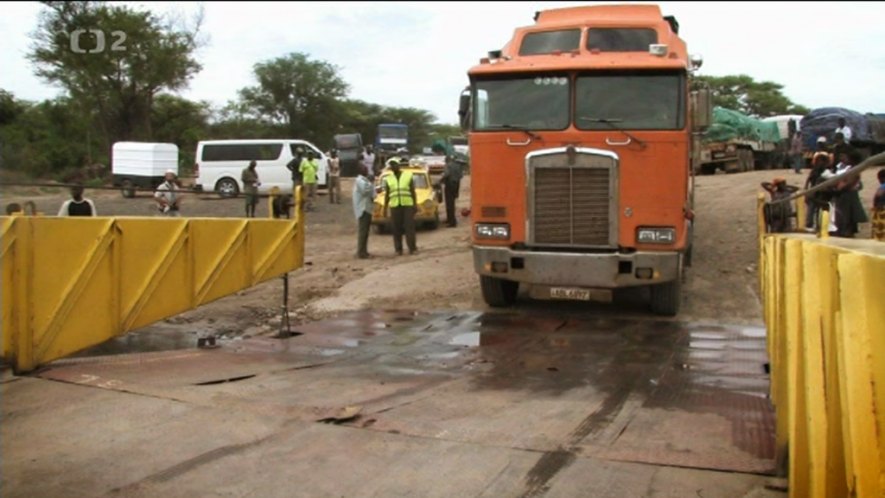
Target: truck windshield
{"type": "Point", "coordinates": [347, 141]}
{"type": "Point", "coordinates": [633, 101]}
{"type": "Point", "coordinates": [393, 132]}
{"type": "Point", "coordinates": [539, 102]}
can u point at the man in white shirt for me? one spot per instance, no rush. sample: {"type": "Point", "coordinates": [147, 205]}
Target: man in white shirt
{"type": "Point", "coordinates": [335, 178]}
{"type": "Point", "coordinates": [77, 205]}
{"type": "Point", "coordinates": [167, 195]}
{"type": "Point", "coordinates": [845, 130]}
{"type": "Point", "coordinates": [369, 161]}
{"type": "Point", "coordinates": [363, 204]}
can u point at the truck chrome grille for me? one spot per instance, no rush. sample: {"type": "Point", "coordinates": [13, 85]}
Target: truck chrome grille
{"type": "Point", "coordinates": [572, 204]}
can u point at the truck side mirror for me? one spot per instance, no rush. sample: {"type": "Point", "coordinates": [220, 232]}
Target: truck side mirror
{"type": "Point", "coordinates": [464, 110]}
{"type": "Point", "coordinates": [701, 109]}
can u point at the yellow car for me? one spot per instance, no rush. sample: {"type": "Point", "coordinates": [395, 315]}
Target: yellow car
{"type": "Point", "coordinates": [427, 209]}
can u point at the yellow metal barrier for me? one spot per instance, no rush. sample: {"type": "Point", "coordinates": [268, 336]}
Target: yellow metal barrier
{"type": "Point", "coordinates": [71, 283]}
{"type": "Point", "coordinates": [824, 305]}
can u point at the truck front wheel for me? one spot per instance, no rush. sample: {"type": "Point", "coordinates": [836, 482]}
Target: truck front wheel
{"type": "Point", "coordinates": [498, 293]}
{"type": "Point", "coordinates": [666, 298]}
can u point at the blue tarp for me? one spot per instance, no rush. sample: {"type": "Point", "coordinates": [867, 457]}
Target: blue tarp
{"type": "Point", "coordinates": [824, 121]}
{"type": "Point", "coordinates": [877, 127]}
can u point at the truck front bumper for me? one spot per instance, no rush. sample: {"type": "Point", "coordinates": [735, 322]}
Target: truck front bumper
{"type": "Point", "coordinates": [594, 270]}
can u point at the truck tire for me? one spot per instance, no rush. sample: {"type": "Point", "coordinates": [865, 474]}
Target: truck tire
{"type": "Point", "coordinates": [745, 159]}
{"type": "Point", "coordinates": [227, 188]}
{"type": "Point", "coordinates": [666, 298]}
{"type": "Point", "coordinates": [498, 293]}
{"type": "Point", "coordinates": [733, 167]}
{"type": "Point", "coordinates": [128, 190]}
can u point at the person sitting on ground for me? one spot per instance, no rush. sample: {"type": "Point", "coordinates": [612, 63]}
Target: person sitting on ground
{"type": "Point", "coordinates": [166, 195]}
{"type": "Point", "coordinates": [77, 205]}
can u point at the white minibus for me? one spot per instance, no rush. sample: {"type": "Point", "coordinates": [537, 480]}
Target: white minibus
{"type": "Point", "coordinates": [219, 164]}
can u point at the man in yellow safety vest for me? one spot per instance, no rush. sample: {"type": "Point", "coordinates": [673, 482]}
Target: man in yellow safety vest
{"type": "Point", "coordinates": [399, 195]}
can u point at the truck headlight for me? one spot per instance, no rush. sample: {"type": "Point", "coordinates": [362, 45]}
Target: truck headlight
{"type": "Point", "coordinates": [656, 235]}
{"type": "Point", "coordinates": [492, 231]}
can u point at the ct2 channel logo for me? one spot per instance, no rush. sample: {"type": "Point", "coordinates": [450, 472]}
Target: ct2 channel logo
{"type": "Point", "coordinates": [100, 44]}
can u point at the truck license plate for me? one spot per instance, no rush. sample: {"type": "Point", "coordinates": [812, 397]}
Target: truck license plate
{"type": "Point", "coordinates": [570, 293]}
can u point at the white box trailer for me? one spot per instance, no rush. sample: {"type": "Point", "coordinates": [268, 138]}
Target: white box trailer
{"type": "Point", "coordinates": [142, 165]}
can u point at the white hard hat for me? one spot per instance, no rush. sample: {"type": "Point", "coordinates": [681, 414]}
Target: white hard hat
{"type": "Point", "coordinates": [821, 140]}
{"type": "Point", "coordinates": [170, 172]}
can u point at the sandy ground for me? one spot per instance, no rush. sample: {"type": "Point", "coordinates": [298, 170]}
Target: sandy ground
{"type": "Point", "coordinates": [721, 286]}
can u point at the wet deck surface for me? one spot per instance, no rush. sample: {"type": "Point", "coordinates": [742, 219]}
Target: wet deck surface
{"type": "Point", "coordinates": [449, 404]}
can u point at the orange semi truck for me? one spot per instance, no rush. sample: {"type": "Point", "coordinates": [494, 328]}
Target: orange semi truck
{"type": "Point", "coordinates": [582, 131]}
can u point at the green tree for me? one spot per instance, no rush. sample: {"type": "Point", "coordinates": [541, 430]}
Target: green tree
{"type": "Point", "coordinates": [51, 138]}
{"type": "Point", "coordinates": [298, 93]}
{"type": "Point", "coordinates": [10, 108]}
{"type": "Point", "coordinates": [360, 117]}
{"type": "Point", "coordinates": [742, 93]}
{"type": "Point", "coordinates": [182, 122]}
{"type": "Point", "coordinates": [119, 83]}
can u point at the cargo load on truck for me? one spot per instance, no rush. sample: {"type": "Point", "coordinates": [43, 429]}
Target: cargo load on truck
{"type": "Point", "coordinates": [349, 147]}
{"type": "Point", "coordinates": [877, 127]}
{"type": "Point", "coordinates": [142, 165]}
{"type": "Point", "coordinates": [736, 142]}
{"type": "Point", "coordinates": [867, 130]}
{"type": "Point", "coordinates": [823, 122]}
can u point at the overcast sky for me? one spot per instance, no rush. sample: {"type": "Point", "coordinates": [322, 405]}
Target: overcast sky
{"type": "Point", "coordinates": [417, 54]}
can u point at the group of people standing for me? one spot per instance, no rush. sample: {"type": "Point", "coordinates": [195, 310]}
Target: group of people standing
{"type": "Point", "coordinates": [842, 200]}
{"type": "Point", "coordinates": [400, 198]}
{"type": "Point", "coordinates": [304, 168]}
{"type": "Point", "coordinates": [400, 201]}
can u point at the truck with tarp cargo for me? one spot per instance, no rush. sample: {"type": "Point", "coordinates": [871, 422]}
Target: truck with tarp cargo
{"type": "Point", "coordinates": [735, 142]}
{"type": "Point", "coordinates": [349, 147]}
{"type": "Point", "coordinates": [867, 130]}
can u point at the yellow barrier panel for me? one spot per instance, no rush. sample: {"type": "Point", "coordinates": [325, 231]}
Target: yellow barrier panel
{"type": "Point", "coordinates": [864, 354]}
{"type": "Point", "coordinates": [823, 306]}
{"type": "Point", "coordinates": [71, 283]}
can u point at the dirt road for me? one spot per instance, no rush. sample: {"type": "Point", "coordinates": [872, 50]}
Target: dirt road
{"type": "Point", "coordinates": [719, 288]}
